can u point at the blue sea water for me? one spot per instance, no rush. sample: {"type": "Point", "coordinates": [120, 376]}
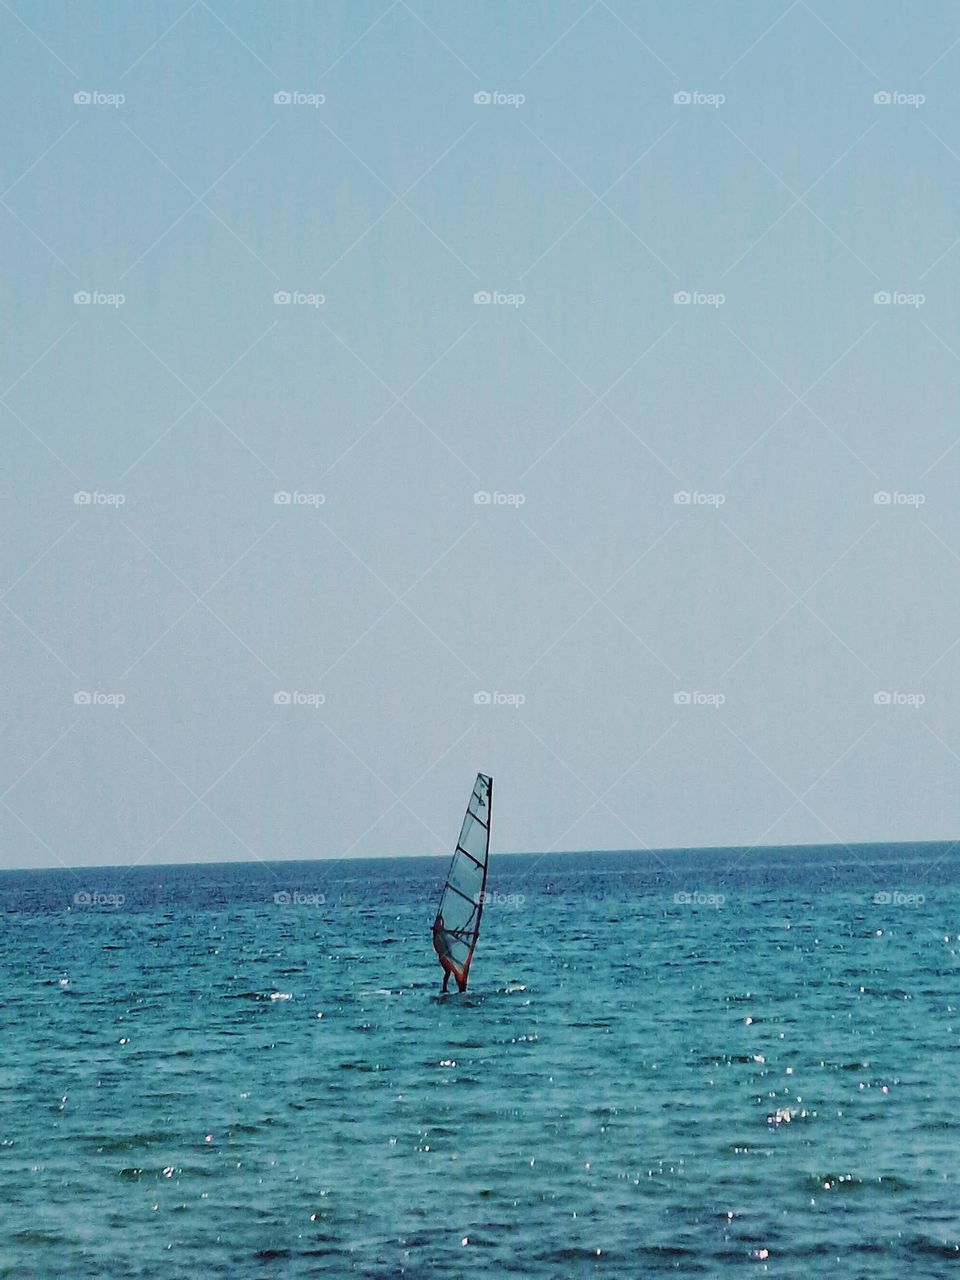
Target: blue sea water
{"type": "Point", "coordinates": [698, 1063]}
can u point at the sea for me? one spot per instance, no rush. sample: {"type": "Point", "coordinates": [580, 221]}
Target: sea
{"type": "Point", "coordinates": [712, 1062]}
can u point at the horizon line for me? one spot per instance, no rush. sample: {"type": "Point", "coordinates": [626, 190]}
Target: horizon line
{"type": "Point", "coordinates": [514, 853]}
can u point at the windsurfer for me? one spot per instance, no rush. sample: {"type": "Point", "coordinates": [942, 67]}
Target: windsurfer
{"type": "Point", "coordinates": [442, 947]}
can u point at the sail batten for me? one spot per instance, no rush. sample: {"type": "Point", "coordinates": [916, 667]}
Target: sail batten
{"type": "Point", "coordinates": [461, 902]}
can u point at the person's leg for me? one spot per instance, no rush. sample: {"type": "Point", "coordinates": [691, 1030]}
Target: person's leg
{"type": "Point", "coordinates": [446, 979]}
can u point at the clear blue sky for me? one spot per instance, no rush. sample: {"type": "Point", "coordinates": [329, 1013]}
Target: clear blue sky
{"type": "Point", "coordinates": [782, 591]}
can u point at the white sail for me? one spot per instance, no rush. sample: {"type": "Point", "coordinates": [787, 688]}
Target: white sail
{"type": "Point", "coordinates": [461, 903]}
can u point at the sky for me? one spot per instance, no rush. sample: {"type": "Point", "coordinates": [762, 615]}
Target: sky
{"type": "Point", "coordinates": [396, 389]}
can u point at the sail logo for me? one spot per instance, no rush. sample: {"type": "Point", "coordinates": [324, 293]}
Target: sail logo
{"type": "Point", "coordinates": [694, 98]}
{"type": "Point", "coordinates": [699, 899]}
{"type": "Point", "coordinates": [283, 698]}
{"type": "Point", "coordinates": [895, 898]}
{"type": "Point", "coordinates": [96, 699]}
{"type": "Point", "coordinates": [894, 98]}
{"type": "Point", "coordinates": [84, 898]}
{"type": "Point", "coordinates": [294, 898]}
{"type": "Point", "coordinates": [684, 699]}
{"type": "Point", "coordinates": [484, 498]}
{"type": "Point", "coordinates": [891, 698]}
{"type": "Point", "coordinates": [482, 698]}
{"type": "Point", "coordinates": [893, 498]}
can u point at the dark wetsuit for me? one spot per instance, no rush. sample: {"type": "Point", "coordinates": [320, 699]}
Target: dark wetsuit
{"type": "Point", "coordinates": [442, 947]}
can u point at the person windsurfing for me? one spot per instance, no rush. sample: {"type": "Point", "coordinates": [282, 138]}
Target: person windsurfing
{"type": "Point", "coordinates": [441, 945]}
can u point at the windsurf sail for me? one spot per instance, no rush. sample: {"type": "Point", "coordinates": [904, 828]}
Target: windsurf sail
{"type": "Point", "coordinates": [461, 903]}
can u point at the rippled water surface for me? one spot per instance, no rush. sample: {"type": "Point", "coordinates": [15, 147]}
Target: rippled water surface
{"type": "Point", "coordinates": [760, 1078]}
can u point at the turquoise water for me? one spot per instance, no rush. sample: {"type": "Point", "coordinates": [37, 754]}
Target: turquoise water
{"type": "Point", "coordinates": [760, 1078]}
